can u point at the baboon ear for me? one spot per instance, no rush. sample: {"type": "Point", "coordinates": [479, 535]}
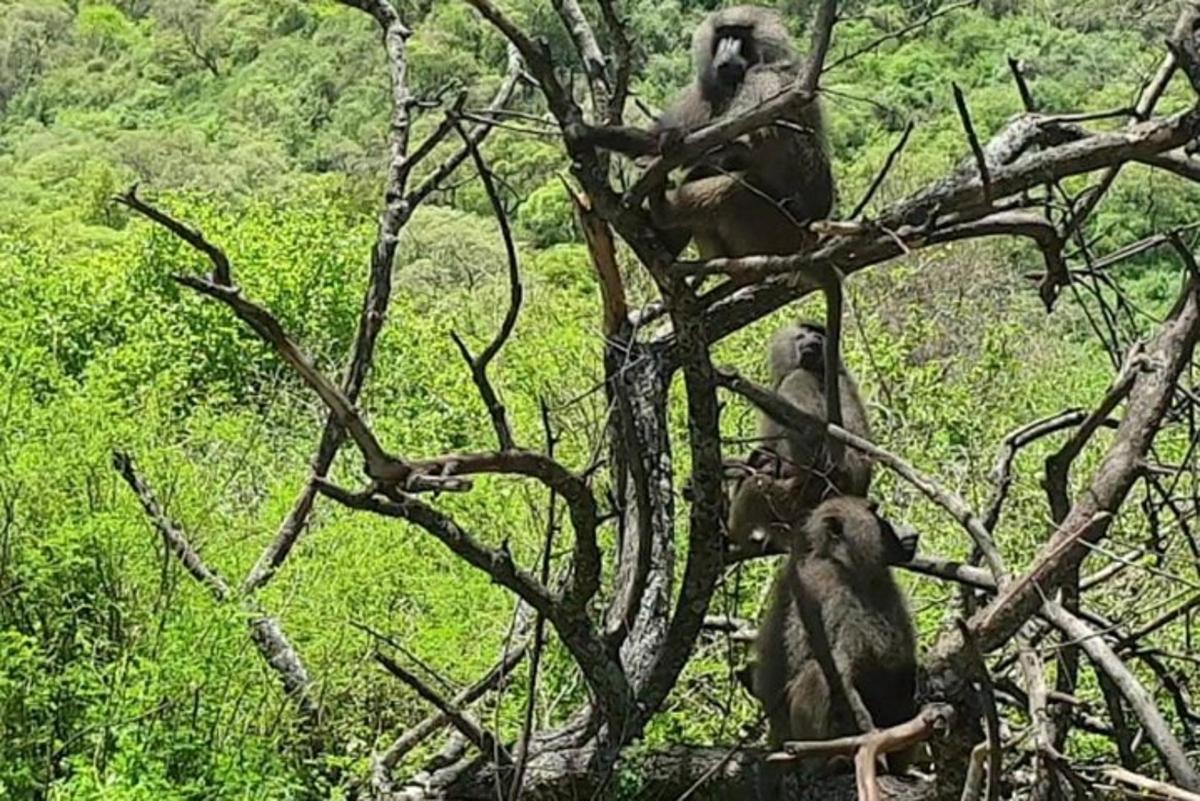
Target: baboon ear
{"type": "Point", "coordinates": [873, 506]}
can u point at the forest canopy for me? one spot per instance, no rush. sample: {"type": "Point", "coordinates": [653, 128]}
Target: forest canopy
{"type": "Point", "coordinates": [419, 438]}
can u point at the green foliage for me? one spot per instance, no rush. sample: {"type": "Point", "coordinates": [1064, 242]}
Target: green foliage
{"type": "Point", "coordinates": [547, 215]}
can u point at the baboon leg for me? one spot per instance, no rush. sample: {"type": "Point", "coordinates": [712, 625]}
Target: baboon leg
{"type": "Point", "coordinates": [763, 510]}
{"type": "Point", "coordinates": [692, 212]}
{"type": "Point", "coordinates": [860, 715]}
{"type": "Point", "coordinates": [696, 202]}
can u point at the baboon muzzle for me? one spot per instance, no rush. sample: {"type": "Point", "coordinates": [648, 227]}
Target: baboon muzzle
{"type": "Point", "coordinates": [728, 61]}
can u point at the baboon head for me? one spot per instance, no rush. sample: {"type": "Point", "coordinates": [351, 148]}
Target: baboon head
{"type": "Point", "coordinates": [731, 41]}
{"type": "Point", "coordinates": [799, 346]}
{"type": "Point", "coordinates": [850, 533]}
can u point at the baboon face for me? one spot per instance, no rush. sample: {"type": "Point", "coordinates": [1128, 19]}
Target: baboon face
{"type": "Point", "coordinates": [731, 41]}
{"type": "Point", "coordinates": [733, 53]}
{"type": "Point", "coordinates": [850, 533]}
{"type": "Point", "coordinates": [800, 346]}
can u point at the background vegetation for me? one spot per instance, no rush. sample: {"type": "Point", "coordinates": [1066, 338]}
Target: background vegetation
{"type": "Point", "coordinates": [264, 124]}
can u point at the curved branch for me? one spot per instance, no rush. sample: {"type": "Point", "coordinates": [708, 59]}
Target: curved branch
{"type": "Point", "coordinates": [1182, 771]}
{"type": "Point", "coordinates": [569, 618]}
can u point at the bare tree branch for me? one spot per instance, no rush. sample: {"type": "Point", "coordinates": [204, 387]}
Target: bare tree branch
{"type": "Point", "coordinates": [1182, 771]}
{"type": "Point", "coordinates": [174, 538]}
{"type": "Point", "coordinates": [265, 632]}
{"type": "Point", "coordinates": [481, 738]}
{"type": "Point", "coordinates": [568, 615]}
{"type": "Point", "coordinates": [516, 293]}
{"type": "Point", "coordinates": [590, 54]}
{"type": "Point", "coordinates": [501, 672]}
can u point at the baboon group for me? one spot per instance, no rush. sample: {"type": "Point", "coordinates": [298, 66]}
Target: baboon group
{"type": "Point", "coordinates": [835, 651]}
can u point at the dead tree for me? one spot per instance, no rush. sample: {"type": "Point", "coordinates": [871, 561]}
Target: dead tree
{"type": "Point", "coordinates": [631, 655]}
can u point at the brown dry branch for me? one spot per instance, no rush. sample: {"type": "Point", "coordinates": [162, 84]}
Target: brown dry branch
{"type": "Point", "coordinates": [386, 761]}
{"type": "Point", "coordinates": [960, 101]}
{"type": "Point", "coordinates": [477, 735]}
{"type": "Point", "coordinates": [878, 180]}
{"type": "Point", "coordinates": [265, 631]}
{"type": "Point", "coordinates": [588, 49]}
{"type": "Point", "coordinates": [867, 748]}
{"type": "Point", "coordinates": [625, 56]}
{"type": "Point", "coordinates": [565, 612]}
{"type": "Point", "coordinates": [220, 262]}
{"type": "Point", "coordinates": [1177, 762]}
{"type": "Point", "coordinates": [397, 211]}
{"type": "Point", "coordinates": [1012, 443]}
{"type": "Point", "coordinates": [1147, 787]}
{"type": "Point", "coordinates": [522, 750]}
{"type": "Point", "coordinates": [479, 365]}
{"type": "Point", "coordinates": [898, 34]}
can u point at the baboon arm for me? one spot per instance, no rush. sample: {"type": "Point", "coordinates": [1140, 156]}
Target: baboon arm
{"type": "Point", "coordinates": [690, 110]}
{"type": "Point", "coordinates": [858, 707]}
{"type": "Point", "coordinates": [798, 142]}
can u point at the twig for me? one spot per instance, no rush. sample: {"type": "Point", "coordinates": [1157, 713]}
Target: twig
{"type": "Point", "coordinates": [479, 365]}
{"type": "Point", "coordinates": [1146, 102]}
{"type": "Point", "coordinates": [480, 737]}
{"type": "Point", "coordinates": [380, 465]}
{"type": "Point", "coordinates": [1022, 87]}
{"type": "Point", "coordinates": [900, 33]}
{"type": "Point", "coordinates": [1173, 755]}
{"type": "Point", "coordinates": [590, 54]}
{"type": "Point", "coordinates": [174, 538]}
{"type": "Point", "coordinates": [410, 739]}
{"type": "Point", "coordinates": [265, 632]}
{"type": "Point", "coordinates": [602, 250]}
{"type": "Point", "coordinates": [1153, 786]}
{"type": "Point", "coordinates": [398, 209]}
{"type": "Point", "coordinates": [624, 54]}
{"type": "Point", "coordinates": [976, 148]}
{"type": "Point", "coordinates": [1058, 464]}
{"type": "Point", "coordinates": [1039, 717]}
{"type": "Point", "coordinates": [818, 44]}
{"type": "Point", "coordinates": [991, 717]}
{"type": "Point", "coordinates": [521, 759]}
{"type": "Point", "coordinates": [220, 262]}
{"type": "Point", "coordinates": [567, 614]}
{"type": "Point", "coordinates": [867, 748]}
{"type": "Point", "coordinates": [883, 172]}
{"type": "Point", "coordinates": [1013, 442]}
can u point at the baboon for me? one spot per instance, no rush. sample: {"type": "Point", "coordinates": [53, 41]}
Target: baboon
{"type": "Point", "coordinates": [835, 652]}
{"type": "Point", "coordinates": [758, 193]}
{"type": "Point", "coordinates": [796, 469]}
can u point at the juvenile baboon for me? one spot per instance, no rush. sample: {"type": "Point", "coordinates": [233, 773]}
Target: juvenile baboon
{"type": "Point", "coordinates": [796, 468]}
{"type": "Point", "coordinates": [835, 651]}
{"type": "Point", "coordinates": [756, 194]}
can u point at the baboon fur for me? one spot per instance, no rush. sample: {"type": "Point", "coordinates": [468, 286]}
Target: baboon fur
{"type": "Point", "coordinates": [795, 473]}
{"type": "Point", "coordinates": [836, 643]}
{"type": "Point", "coordinates": [758, 193]}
